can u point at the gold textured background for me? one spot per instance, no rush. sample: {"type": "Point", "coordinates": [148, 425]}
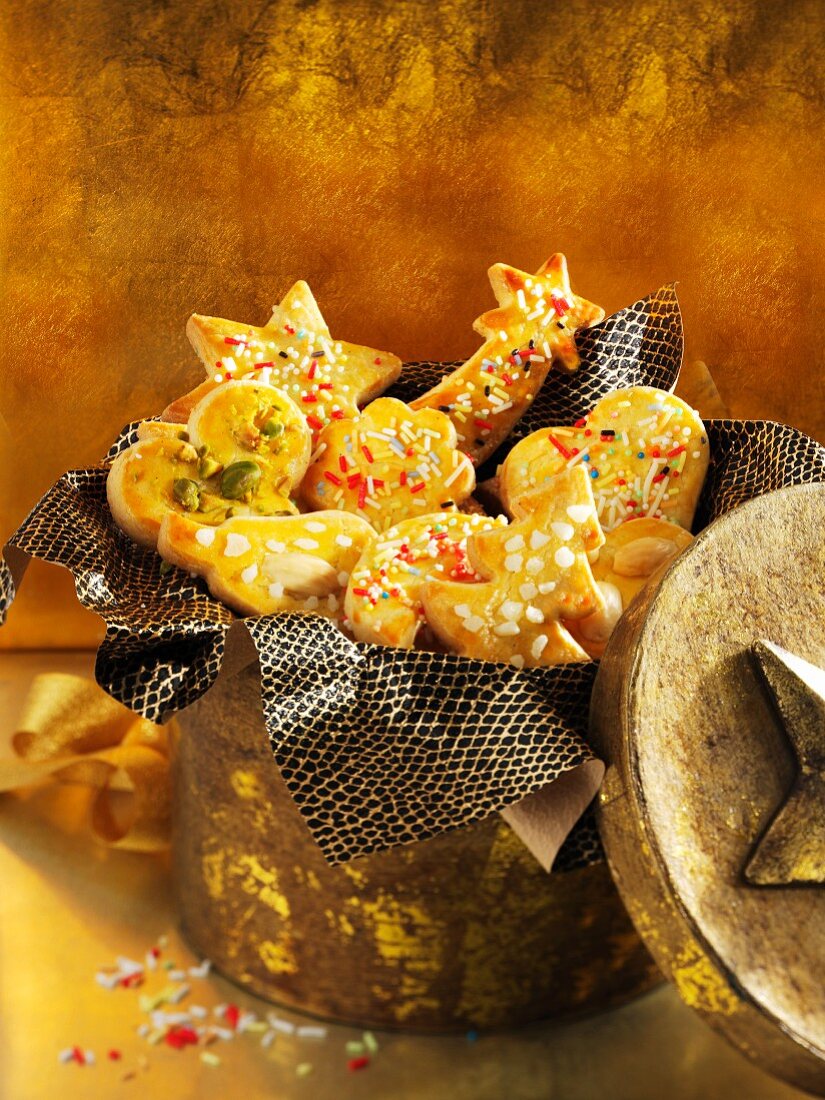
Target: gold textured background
{"type": "Point", "coordinates": [159, 158]}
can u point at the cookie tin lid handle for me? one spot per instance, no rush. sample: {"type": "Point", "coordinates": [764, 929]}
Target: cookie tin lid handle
{"type": "Point", "coordinates": [707, 709]}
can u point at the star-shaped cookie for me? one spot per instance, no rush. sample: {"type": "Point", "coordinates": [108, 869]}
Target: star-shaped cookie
{"type": "Point", "coordinates": [792, 849]}
{"type": "Point", "coordinates": [329, 379]}
{"type": "Point", "coordinates": [532, 329]}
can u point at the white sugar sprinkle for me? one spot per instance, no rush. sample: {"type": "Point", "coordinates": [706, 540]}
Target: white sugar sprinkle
{"type": "Point", "coordinates": [205, 536]}
{"type": "Point", "coordinates": [236, 545]}
{"type": "Point", "coordinates": [564, 557]}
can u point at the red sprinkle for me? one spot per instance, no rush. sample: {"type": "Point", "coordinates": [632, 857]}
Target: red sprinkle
{"type": "Point", "coordinates": [361, 591]}
{"type": "Point", "coordinates": [367, 453]}
{"type": "Point", "coordinates": [561, 305]}
{"type": "Point", "coordinates": [309, 398]}
{"type": "Point", "coordinates": [180, 1037]}
{"type": "Point", "coordinates": [313, 368]}
{"type": "Point", "coordinates": [332, 477]}
{"type": "Point", "coordinates": [483, 424]}
{"type": "Point", "coordinates": [507, 380]}
{"type": "Point", "coordinates": [155, 952]}
{"type": "Point", "coordinates": [315, 423]}
{"type": "Point", "coordinates": [79, 1056]}
{"type": "Point", "coordinates": [580, 423]}
{"type": "Point", "coordinates": [377, 362]}
{"type": "Point", "coordinates": [355, 1064]}
{"type": "Point", "coordinates": [114, 1055]}
{"type": "Point", "coordinates": [289, 329]}
{"type": "Point", "coordinates": [235, 343]}
{"type": "Point", "coordinates": [362, 494]}
{"type": "Point", "coordinates": [353, 480]}
{"type": "Point", "coordinates": [337, 414]}
{"type": "Point", "coordinates": [588, 432]}
{"type": "Point", "coordinates": [402, 479]}
{"type": "Point", "coordinates": [417, 488]}
{"type": "Point", "coordinates": [343, 464]}
{"type": "Point", "coordinates": [268, 363]}
{"type": "Point", "coordinates": [676, 451]}
{"type": "Point", "coordinates": [378, 483]}
{"type": "Point", "coordinates": [325, 385]}
{"type": "Point", "coordinates": [232, 1015]}
{"type": "Point", "coordinates": [562, 450]}
{"type": "Point", "coordinates": [659, 477]}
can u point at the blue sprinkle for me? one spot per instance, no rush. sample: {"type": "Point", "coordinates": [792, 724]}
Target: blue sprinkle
{"type": "Point", "coordinates": [641, 454]}
{"type": "Point", "coordinates": [594, 474]}
{"type": "Point", "coordinates": [585, 458]}
{"type": "Point", "coordinates": [300, 334]}
{"type": "Point", "coordinates": [385, 595]}
{"type": "Point", "coordinates": [472, 1036]}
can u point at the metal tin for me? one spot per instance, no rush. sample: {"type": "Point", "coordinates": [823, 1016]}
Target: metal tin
{"type": "Point", "coordinates": [463, 930]}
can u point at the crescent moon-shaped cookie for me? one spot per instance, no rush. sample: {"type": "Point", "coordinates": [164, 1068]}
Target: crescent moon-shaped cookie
{"type": "Point", "coordinates": [645, 451]}
{"type": "Point", "coordinates": [262, 565]}
{"type": "Point", "coordinates": [245, 448]}
{"type": "Point", "coordinates": [631, 555]}
{"type": "Point", "coordinates": [383, 601]}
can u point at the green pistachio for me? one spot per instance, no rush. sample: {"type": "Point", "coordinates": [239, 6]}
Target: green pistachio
{"type": "Point", "coordinates": [165, 567]}
{"type": "Point", "coordinates": [187, 493]}
{"type": "Point", "coordinates": [240, 480]}
{"type": "Point", "coordinates": [208, 466]}
{"type": "Point", "coordinates": [272, 427]}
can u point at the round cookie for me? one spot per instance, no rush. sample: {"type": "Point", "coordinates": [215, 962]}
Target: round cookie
{"type": "Point", "coordinates": [245, 447]}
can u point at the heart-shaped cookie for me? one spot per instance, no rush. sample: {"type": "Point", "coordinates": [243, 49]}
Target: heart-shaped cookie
{"type": "Point", "coordinates": [388, 464]}
{"type": "Point", "coordinates": [383, 602]}
{"type": "Point", "coordinates": [328, 379]}
{"type": "Point", "coordinates": [262, 565]}
{"type": "Point", "coordinates": [245, 448]}
{"type": "Point", "coordinates": [645, 451]}
{"type": "Point", "coordinates": [632, 553]}
{"type": "Point", "coordinates": [532, 329]}
{"type": "Point", "coordinates": [536, 573]}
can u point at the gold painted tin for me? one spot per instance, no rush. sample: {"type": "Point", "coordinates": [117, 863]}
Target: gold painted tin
{"type": "Point", "coordinates": [463, 930]}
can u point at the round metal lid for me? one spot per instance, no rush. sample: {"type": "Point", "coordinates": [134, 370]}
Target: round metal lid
{"type": "Point", "coordinates": [708, 710]}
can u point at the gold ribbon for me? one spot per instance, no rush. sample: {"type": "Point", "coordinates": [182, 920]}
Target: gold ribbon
{"type": "Point", "coordinates": [72, 731]}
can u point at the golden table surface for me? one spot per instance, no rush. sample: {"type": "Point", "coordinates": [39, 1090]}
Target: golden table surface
{"type": "Point", "coordinates": [68, 907]}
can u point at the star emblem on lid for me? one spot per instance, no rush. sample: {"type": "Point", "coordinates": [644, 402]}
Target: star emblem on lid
{"type": "Point", "coordinates": [792, 848]}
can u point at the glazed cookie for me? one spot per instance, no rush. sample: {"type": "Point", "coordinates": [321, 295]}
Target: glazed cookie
{"type": "Point", "coordinates": [645, 451]}
{"type": "Point", "coordinates": [388, 464]}
{"type": "Point", "coordinates": [536, 573]}
{"type": "Point", "coordinates": [246, 446]}
{"type": "Point", "coordinates": [631, 555]}
{"type": "Point", "coordinates": [383, 602]}
{"type": "Point", "coordinates": [261, 565]}
{"type": "Point", "coordinates": [532, 329]}
{"type": "Point", "coordinates": [328, 379]}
